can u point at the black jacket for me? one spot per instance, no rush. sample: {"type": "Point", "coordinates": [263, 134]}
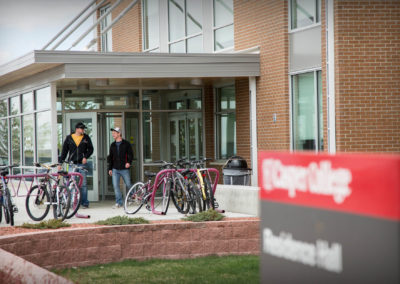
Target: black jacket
{"type": "Point", "coordinates": [117, 160]}
{"type": "Point", "coordinates": [76, 154]}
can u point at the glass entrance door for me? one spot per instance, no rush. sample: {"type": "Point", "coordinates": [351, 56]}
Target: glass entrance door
{"type": "Point", "coordinates": [185, 135]}
{"type": "Point", "coordinates": [90, 120]}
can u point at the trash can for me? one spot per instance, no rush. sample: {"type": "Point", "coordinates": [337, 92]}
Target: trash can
{"type": "Point", "coordinates": [236, 172]}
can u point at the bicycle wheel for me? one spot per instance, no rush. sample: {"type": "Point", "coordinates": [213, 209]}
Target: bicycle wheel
{"type": "Point", "coordinates": [8, 207]}
{"type": "Point", "coordinates": [166, 197]}
{"type": "Point", "coordinates": [60, 210]}
{"type": "Point", "coordinates": [209, 202]}
{"type": "Point", "coordinates": [37, 203]}
{"type": "Point", "coordinates": [135, 198]}
{"type": "Point", "coordinates": [75, 200]}
{"type": "Point", "coordinates": [180, 199]}
{"type": "Point", "coordinates": [195, 197]}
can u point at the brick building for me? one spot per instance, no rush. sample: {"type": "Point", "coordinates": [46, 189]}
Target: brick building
{"type": "Point", "coordinates": [214, 78]}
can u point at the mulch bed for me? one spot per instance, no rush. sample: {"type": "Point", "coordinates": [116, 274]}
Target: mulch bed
{"type": "Point", "coordinates": [18, 230]}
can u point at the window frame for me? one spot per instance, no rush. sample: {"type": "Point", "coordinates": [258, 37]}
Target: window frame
{"type": "Point", "coordinates": [217, 114]}
{"type": "Point", "coordinates": [156, 48]}
{"type": "Point", "coordinates": [318, 104]}
{"type": "Point", "coordinates": [186, 37]}
{"type": "Point", "coordinates": [215, 28]}
{"type": "Point", "coordinates": [105, 38]}
{"type": "Point", "coordinates": [316, 22]}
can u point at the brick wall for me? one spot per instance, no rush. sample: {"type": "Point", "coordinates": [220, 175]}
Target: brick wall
{"type": "Point", "coordinates": [265, 23]}
{"type": "Point", "coordinates": [89, 246]}
{"type": "Point", "coordinates": [367, 74]}
{"type": "Point", "coordinates": [127, 32]}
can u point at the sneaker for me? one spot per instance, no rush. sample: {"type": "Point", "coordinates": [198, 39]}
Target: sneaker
{"type": "Point", "coordinates": [116, 206]}
{"type": "Point", "coordinates": [85, 206]}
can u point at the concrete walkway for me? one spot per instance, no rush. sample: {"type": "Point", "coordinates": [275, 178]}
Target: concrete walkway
{"type": "Point", "coordinates": [101, 211]}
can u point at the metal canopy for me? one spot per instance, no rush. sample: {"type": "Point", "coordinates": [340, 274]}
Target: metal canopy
{"type": "Point", "coordinates": [83, 64]}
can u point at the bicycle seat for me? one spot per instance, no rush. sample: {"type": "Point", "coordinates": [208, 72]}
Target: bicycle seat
{"type": "Point", "coordinates": [4, 173]}
{"type": "Point", "coordinates": [149, 174]}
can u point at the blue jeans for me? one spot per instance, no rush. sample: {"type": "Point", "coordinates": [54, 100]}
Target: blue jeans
{"type": "Point", "coordinates": [116, 174]}
{"type": "Point", "coordinates": [84, 190]}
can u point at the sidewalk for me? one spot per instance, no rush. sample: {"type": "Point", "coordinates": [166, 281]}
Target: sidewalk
{"type": "Point", "coordinates": [102, 210]}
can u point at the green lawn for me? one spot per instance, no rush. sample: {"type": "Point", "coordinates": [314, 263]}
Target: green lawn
{"type": "Point", "coordinates": [213, 269]}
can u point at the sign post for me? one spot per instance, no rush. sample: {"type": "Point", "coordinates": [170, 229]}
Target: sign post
{"type": "Point", "coordinates": [329, 219]}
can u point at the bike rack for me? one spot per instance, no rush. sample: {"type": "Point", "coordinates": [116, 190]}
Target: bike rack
{"type": "Point", "coordinates": [160, 173]}
{"type": "Point", "coordinates": [23, 180]}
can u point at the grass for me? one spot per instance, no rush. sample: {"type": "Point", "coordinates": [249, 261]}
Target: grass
{"type": "Point", "coordinates": [123, 220]}
{"type": "Point", "coordinates": [209, 215]}
{"type": "Point", "coordinates": [211, 269]}
{"type": "Point", "coordinates": [49, 224]}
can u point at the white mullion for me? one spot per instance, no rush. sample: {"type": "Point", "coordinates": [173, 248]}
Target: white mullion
{"type": "Point", "coordinates": [316, 131]}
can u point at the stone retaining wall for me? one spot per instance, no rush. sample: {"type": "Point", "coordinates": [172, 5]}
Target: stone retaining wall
{"type": "Point", "coordinates": [89, 246]}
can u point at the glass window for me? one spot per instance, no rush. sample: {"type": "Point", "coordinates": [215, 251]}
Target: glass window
{"type": "Point", "coordinates": [3, 142]}
{"type": "Point", "coordinates": [28, 139]}
{"type": "Point", "coordinates": [27, 102]}
{"type": "Point", "coordinates": [195, 44]}
{"type": "Point", "coordinates": [185, 25]}
{"type": "Point", "coordinates": [150, 24]}
{"type": "Point", "coordinates": [43, 98]}
{"type": "Point", "coordinates": [307, 111]}
{"type": "Point", "coordinates": [223, 38]}
{"type": "Point", "coordinates": [176, 18]}
{"type": "Point", "coordinates": [3, 108]}
{"type": "Point", "coordinates": [15, 139]}
{"type": "Point", "coordinates": [15, 105]}
{"type": "Point", "coordinates": [171, 99]}
{"type": "Point", "coordinates": [194, 16]}
{"type": "Point", "coordinates": [155, 127]}
{"type": "Point", "coordinates": [178, 47]}
{"type": "Point", "coordinates": [104, 99]}
{"type": "Point", "coordinates": [223, 24]}
{"type": "Point", "coordinates": [106, 38]}
{"type": "Point", "coordinates": [43, 134]}
{"type": "Point", "coordinates": [304, 13]}
{"type": "Point", "coordinates": [226, 122]}
{"type": "Point", "coordinates": [223, 12]}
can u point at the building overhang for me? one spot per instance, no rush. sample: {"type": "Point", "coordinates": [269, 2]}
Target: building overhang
{"type": "Point", "coordinates": [92, 65]}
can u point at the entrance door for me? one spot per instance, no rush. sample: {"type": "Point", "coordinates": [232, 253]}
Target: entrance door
{"type": "Point", "coordinates": [90, 120]}
{"type": "Point", "coordinates": [185, 135]}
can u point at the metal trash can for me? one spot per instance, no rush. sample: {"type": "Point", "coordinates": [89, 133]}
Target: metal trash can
{"type": "Point", "coordinates": [236, 172]}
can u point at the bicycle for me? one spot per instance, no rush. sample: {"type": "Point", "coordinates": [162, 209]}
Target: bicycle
{"type": "Point", "coordinates": [202, 179]}
{"type": "Point", "coordinates": [73, 187]}
{"type": "Point", "coordinates": [39, 199]}
{"type": "Point", "coordinates": [139, 194]}
{"type": "Point", "coordinates": [5, 197]}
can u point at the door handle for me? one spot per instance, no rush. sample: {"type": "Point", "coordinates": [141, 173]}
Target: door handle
{"type": "Point", "coordinates": [94, 163]}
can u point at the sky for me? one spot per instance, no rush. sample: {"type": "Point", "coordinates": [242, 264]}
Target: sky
{"type": "Point", "coordinates": [27, 25]}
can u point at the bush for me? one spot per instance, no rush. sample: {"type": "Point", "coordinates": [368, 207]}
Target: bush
{"type": "Point", "coordinates": [209, 215]}
{"type": "Point", "coordinates": [122, 220]}
{"type": "Point", "coordinates": [49, 224]}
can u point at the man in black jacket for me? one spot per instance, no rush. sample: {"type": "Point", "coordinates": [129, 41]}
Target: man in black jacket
{"type": "Point", "coordinates": [79, 147]}
{"type": "Point", "coordinates": [119, 162]}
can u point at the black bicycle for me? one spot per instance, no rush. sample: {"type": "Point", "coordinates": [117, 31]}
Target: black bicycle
{"type": "Point", "coordinates": [5, 196]}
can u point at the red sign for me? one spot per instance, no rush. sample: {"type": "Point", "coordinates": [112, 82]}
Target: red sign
{"type": "Point", "coordinates": [362, 184]}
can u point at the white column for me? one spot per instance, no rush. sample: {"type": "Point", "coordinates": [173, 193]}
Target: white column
{"type": "Point", "coordinates": [330, 75]}
{"type": "Point", "coordinates": [253, 130]}
{"type": "Point", "coordinates": [54, 134]}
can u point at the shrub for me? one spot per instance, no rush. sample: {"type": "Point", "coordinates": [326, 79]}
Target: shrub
{"type": "Point", "coordinates": [49, 224]}
{"type": "Point", "coordinates": [209, 215]}
{"type": "Point", "coordinates": [122, 220]}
